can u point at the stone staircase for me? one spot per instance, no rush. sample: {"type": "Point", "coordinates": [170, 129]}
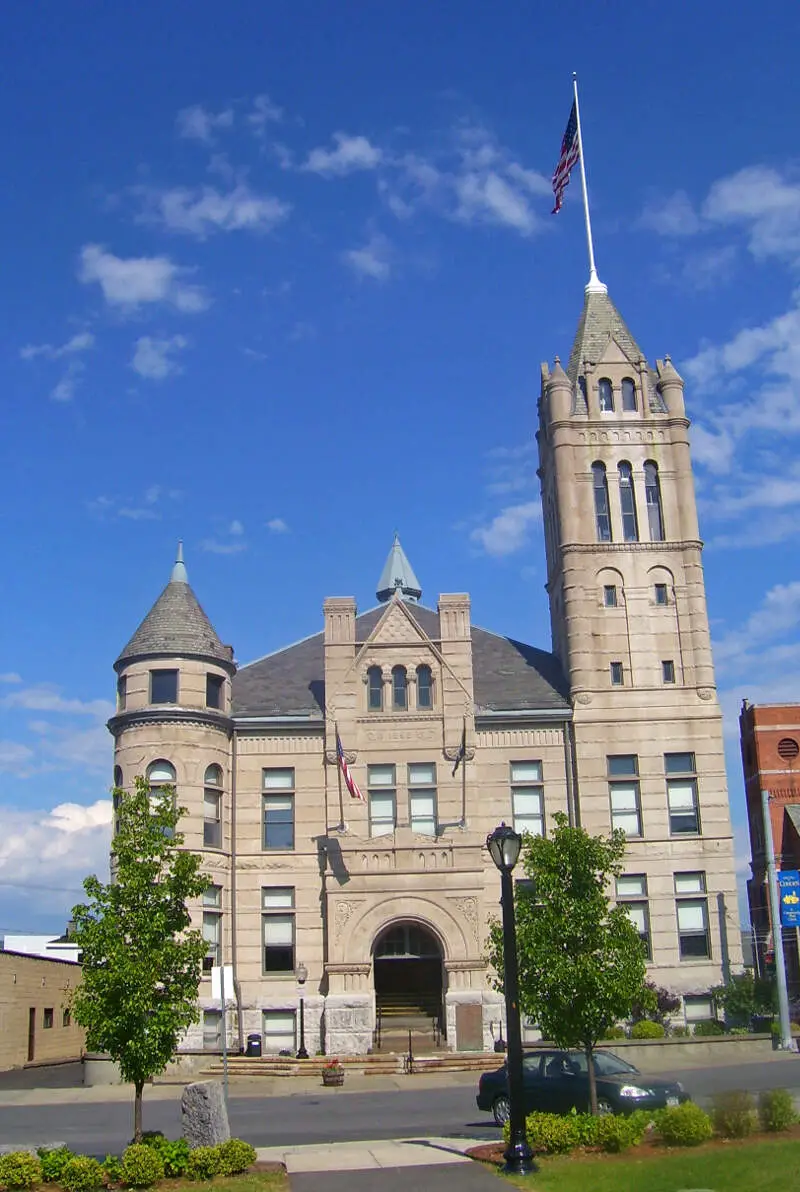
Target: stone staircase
{"type": "Point", "coordinates": [383, 1063]}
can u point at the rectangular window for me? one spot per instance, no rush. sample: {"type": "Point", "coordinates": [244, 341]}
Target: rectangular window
{"type": "Point", "coordinates": [47, 1018]}
{"type": "Point", "coordinates": [163, 687]}
{"type": "Point", "coordinates": [382, 800]}
{"type": "Point", "coordinates": [212, 1030]}
{"type": "Point", "coordinates": [639, 915]}
{"type": "Point", "coordinates": [122, 693]}
{"type": "Point", "coordinates": [631, 885]}
{"type": "Point", "coordinates": [280, 1033]}
{"type": "Point", "coordinates": [697, 1008]}
{"type": "Point", "coordinates": [693, 934]}
{"type": "Point", "coordinates": [610, 595]}
{"type": "Point", "coordinates": [617, 674]}
{"type": "Point", "coordinates": [527, 797]}
{"type": "Point", "coordinates": [66, 1018]}
{"type": "Point", "coordinates": [212, 819]}
{"type": "Point", "coordinates": [212, 927]}
{"type": "Point", "coordinates": [422, 797]}
{"type": "Point", "coordinates": [278, 809]}
{"type": "Point", "coordinates": [684, 810]}
{"type": "Point", "coordinates": [626, 811]}
{"type": "Point", "coordinates": [661, 596]}
{"type": "Point", "coordinates": [632, 893]}
{"type": "Point", "coordinates": [668, 671]}
{"type": "Point", "coordinates": [215, 685]}
{"type": "Point", "coordinates": [278, 926]}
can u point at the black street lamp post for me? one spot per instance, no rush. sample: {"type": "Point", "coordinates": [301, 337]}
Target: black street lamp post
{"type": "Point", "coordinates": [301, 973]}
{"type": "Point", "coordinates": [504, 845]}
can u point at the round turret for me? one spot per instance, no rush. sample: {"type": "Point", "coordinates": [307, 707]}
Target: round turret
{"type": "Point", "coordinates": [559, 393]}
{"type": "Point", "coordinates": [670, 386]}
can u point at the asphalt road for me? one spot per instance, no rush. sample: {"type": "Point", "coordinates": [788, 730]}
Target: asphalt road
{"type": "Point", "coordinates": [98, 1128]}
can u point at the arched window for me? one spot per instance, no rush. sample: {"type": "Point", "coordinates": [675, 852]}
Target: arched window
{"type": "Point", "coordinates": [628, 395]}
{"type": "Point", "coordinates": [212, 807]}
{"type": "Point", "coordinates": [424, 687]}
{"type": "Point", "coordinates": [652, 489]}
{"type": "Point", "coordinates": [627, 500]}
{"type": "Point", "coordinates": [117, 775]}
{"type": "Point", "coordinates": [399, 688]}
{"type": "Point", "coordinates": [601, 512]}
{"type": "Point", "coordinates": [160, 773]}
{"type": "Point", "coordinates": [375, 689]}
{"type": "Point", "coordinates": [117, 797]}
{"type": "Point", "coordinates": [605, 393]}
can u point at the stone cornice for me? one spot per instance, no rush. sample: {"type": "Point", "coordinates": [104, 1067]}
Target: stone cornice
{"type": "Point", "coordinates": [170, 715]}
{"type": "Point", "coordinates": [616, 548]}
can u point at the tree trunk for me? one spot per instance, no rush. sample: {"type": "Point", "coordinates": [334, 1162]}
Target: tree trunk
{"type": "Point", "coordinates": [137, 1111]}
{"type": "Point", "coordinates": [592, 1080]}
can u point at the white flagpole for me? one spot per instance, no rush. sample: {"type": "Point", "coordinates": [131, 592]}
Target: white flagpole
{"type": "Point", "coordinates": [595, 285]}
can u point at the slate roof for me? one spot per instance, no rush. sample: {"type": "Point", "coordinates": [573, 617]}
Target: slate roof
{"type": "Point", "coordinates": [176, 624]}
{"type": "Point", "coordinates": [508, 675]}
{"type": "Point", "coordinates": [599, 322]}
{"type": "Point", "coordinates": [398, 573]}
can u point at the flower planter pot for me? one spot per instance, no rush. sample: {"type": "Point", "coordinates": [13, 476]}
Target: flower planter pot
{"type": "Point", "coordinates": [333, 1077]}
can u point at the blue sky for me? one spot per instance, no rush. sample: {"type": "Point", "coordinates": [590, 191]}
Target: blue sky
{"type": "Point", "coordinates": [278, 280]}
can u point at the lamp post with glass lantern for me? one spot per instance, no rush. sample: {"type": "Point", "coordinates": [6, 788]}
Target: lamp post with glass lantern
{"type": "Point", "coordinates": [504, 846]}
{"type": "Point", "coordinates": [301, 972]}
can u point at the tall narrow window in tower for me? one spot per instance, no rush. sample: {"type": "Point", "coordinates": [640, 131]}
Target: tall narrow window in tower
{"type": "Point", "coordinates": [601, 510]}
{"type": "Point", "coordinates": [375, 689]}
{"type": "Point", "coordinates": [212, 927]}
{"type": "Point", "coordinates": [212, 807]}
{"type": "Point", "coordinates": [424, 687]}
{"type": "Point", "coordinates": [122, 693]}
{"type": "Point", "coordinates": [627, 500]}
{"type": "Point", "coordinates": [652, 489]}
{"type": "Point", "coordinates": [163, 687]}
{"type": "Point", "coordinates": [399, 688]}
{"type": "Point", "coordinates": [160, 774]}
{"type": "Point", "coordinates": [278, 809]}
{"type": "Point", "coordinates": [215, 687]}
{"type": "Point", "coordinates": [605, 394]}
{"type": "Point", "coordinates": [628, 395]}
{"type": "Point", "coordinates": [610, 595]}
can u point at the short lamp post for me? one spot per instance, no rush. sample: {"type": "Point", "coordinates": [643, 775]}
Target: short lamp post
{"type": "Point", "coordinates": [504, 846]}
{"type": "Point", "coordinates": [301, 972]}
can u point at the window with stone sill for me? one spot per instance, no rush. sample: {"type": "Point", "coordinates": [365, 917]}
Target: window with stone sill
{"type": "Point", "coordinates": [278, 926]}
{"type": "Point", "coordinates": [661, 594]}
{"type": "Point", "coordinates": [632, 894]}
{"type": "Point", "coordinates": [212, 927]}
{"type": "Point", "coordinates": [160, 773]}
{"type": "Point", "coordinates": [47, 1018]}
{"type": "Point", "coordinates": [422, 798]}
{"type": "Point", "coordinates": [605, 396]}
{"type": "Point", "coordinates": [122, 693]}
{"type": "Point", "coordinates": [375, 689]}
{"type": "Point", "coordinates": [163, 687]}
{"type": "Point", "coordinates": [527, 797]}
{"type": "Point", "coordinates": [424, 688]}
{"type": "Point", "coordinates": [691, 904]}
{"type": "Point", "coordinates": [278, 808]}
{"type": "Point", "coordinates": [628, 395]}
{"type": "Point", "coordinates": [280, 1032]}
{"type": "Point", "coordinates": [212, 1030]}
{"type": "Point", "coordinates": [682, 799]}
{"type": "Point", "coordinates": [609, 595]}
{"type": "Point", "coordinates": [399, 688]}
{"type": "Point", "coordinates": [215, 691]}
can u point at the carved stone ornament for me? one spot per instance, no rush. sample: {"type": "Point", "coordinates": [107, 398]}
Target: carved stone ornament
{"type": "Point", "coordinates": [468, 908]}
{"type": "Point", "coordinates": [350, 756]}
{"type": "Point", "coordinates": [450, 755]}
{"type": "Point", "coordinates": [583, 697]}
{"type": "Point", "coordinates": [705, 692]}
{"type": "Point", "coordinates": [342, 915]}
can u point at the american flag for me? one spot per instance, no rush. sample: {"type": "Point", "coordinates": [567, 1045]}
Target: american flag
{"type": "Point", "coordinates": [349, 780]}
{"type": "Point", "coordinates": [570, 152]}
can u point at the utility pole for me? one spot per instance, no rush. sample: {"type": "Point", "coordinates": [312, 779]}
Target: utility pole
{"type": "Point", "coordinates": [777, 932]}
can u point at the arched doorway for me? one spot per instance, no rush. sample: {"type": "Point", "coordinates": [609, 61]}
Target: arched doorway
{"type": "Point", "coordinates": [409, 983]}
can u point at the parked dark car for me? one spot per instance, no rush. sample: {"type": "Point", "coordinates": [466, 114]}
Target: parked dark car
{"type": "Point", "coordinates": [557, 1081]}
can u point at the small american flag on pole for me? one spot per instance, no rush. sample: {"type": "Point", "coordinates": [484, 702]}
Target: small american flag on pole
{"type": "Point", "coordinates": [349, 780]}
{"type": "Point", "coordinates": [570, 152]}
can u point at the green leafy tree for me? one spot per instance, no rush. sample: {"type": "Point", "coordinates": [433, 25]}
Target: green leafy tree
{"type": "Point", "coordinates": [745, 996]}
{"type": "Point", "coordinates": [141, 961]}
{"type": "Point", "coordinates": [581, 962]}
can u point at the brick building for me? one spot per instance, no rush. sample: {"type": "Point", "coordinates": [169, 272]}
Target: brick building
{"type": "Point", "coordinates": [36, 1026]}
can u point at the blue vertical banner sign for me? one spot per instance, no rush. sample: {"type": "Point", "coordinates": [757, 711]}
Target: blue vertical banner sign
{"type": "Point", "coordinates": [789, 887]}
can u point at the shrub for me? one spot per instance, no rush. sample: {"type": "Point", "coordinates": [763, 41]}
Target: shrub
{"type": "Point", "coordinates": [645, 1029]}
{"type": "Point", "coordinates": [776, 1110]}
{"type": "Point", "coordinates": [685, 1125]}
{"type": "Point", "coordinates": [614, 1032]}
{"type": "Point", "coordinates": [733, 1114]}
{"type": "Point", "coordinates": [643, 1121]}
{"type": "Point", "coordinates": [82, 1174]}
{"type": "Point", "coordinates": [615, 1133]}
{"type": "Point", "coordinates": [680, 1032]}
{"type": "Point", "coordinates": [709, 1028]}
{"type": "Point", "coordinates": [53, 1163]}
{"type": "Point", "coordinates": [174, 1155]}
{"type": "Point", "coordinates": [142, 1165]}
{"type": "Point", "coordinates": [235, 1156]}
{"type": "Point", "coordinates": [203, 1163]}
{"type": "Point", "coordinates": [112, 1170]}
{"type": "Point", "coordinates": [550, 1134]}
{"type": "Point", "coordinates": [19, 1169]}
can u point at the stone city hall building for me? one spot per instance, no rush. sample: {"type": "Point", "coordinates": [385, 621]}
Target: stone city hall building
{"type": "Point", "coordinates": [385, 902]}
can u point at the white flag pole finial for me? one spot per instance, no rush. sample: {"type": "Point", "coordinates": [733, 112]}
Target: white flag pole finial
{"type": "Point", "coordinates": [595, 285]}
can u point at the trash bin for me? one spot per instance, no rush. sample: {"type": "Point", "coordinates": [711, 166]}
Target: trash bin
{"type": "Point", "coordinates": [253, 1045]}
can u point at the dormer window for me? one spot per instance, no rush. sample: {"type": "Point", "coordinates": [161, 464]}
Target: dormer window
{"type": "Point", "coordinates": [399, 688]}
{"type": "Point", "coordinates": [605, 392]}
{"type": "Point", "coordinates": [628, 395]}
{"type": "Point", "coordinates": [424, 687]}
{"type": "Point", "coordinates": [375, 689]}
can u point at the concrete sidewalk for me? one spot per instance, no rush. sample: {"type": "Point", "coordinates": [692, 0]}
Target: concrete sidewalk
{"type": "Point", "coordinates": [472, 1177]}
{"type": "Point", "coordinates": [363, 1156]}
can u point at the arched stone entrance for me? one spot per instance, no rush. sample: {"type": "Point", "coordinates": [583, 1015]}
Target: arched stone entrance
{"type": "Point", "coordinates": [408, 968]}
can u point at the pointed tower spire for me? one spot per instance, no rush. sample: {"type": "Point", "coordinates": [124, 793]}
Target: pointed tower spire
{"type": "Point", "coordinates": [179, 574]}
{"type": "Point", "coordinates": [600, 322]}
{"type": "Point", "coordinates": [398, 576]}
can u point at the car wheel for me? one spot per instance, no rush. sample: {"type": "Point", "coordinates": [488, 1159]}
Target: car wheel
{"type": "Point", "coordinates": [604, 1107]}
{"type": "Point", "coordinates": [501, 1108]}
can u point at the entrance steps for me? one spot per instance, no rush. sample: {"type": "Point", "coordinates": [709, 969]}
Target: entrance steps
{"type": "Point", "coordinates": [383, 1063]}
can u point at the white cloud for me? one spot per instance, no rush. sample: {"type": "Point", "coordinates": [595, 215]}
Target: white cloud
{"type": "Point", "coordinates": [371, 260]}
{"type": "Point", "coordinates": [746, 647]}
{"type": "Point", "coordinates": [55, 848]}
{"type": "Point", "coordinates": [216, 546]}
{"type": "Point", "coordinates": [78, 343]}
{"type": "Point", "coordinates": [204, 210]}
{"type": "Point", "coordinates": [264, 112]}
{"type": "Point", "coordinates": [145, 508]}
{"type": "Point", "coordinates": [10, 677]}
{"type": "Point", "coordinates": [46, 697]}
{"type": "Point", "coordinates": [508, 531]}
{"type": "Point", "coordinates": [64, 389]}
{"type": "Point", "coordinates": [511, 469]}
{"type": "Point", "coordinates": [236, 528]}
{"type": "Point", "coordinates": [277, 525]}
{"type": "Point", "coordinates": [14, 756]}
{"type": "Point", "coordinates": [153, 357]}
{"type": "Point", "coordinates": [197, 123]}
{"type": "Point", "coordinates": [129, 283]}
{"type": "Point", "coordinates": [349, 154]}
{"type": "Point", "coordinates": [673, 216]}
{"type": "Point", "coordinates": [487, 196]}
{"type": "Point", "coordinates": [765, 203]}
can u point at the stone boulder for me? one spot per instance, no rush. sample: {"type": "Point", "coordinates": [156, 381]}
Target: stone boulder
{"type": "Point", "coordinates": [204, 1118]}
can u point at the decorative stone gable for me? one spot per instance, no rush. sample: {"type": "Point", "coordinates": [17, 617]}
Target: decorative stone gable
{"type": "Point", "coordinates": [397, 627]}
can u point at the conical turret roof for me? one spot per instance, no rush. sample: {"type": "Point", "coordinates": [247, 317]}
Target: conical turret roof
{"type": "Point", "coordinates": [176, 625]}
{"type": "Point", "coordinates": [600, 321]}
{"type": "Point", "coordinates": [398, 576]}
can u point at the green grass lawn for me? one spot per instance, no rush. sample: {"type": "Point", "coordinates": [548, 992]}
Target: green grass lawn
{"type": "Point", "coordinates": [255, 1181]}
{"type": "Point", "coordinates": [732, 1167]}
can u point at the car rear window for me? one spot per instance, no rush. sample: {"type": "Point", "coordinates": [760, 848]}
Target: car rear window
{"type": "Point", "coordinates": [609, 1065]}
